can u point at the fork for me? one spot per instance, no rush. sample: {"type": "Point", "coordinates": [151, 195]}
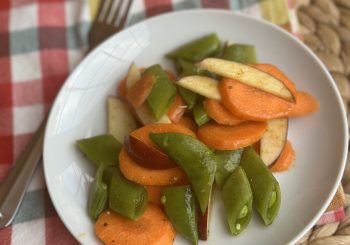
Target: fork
{"type": "Point", "coordinates": [111, 18]}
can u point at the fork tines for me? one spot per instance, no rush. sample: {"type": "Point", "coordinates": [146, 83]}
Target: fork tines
{"type": "Point", "coordinates": [114, 12]}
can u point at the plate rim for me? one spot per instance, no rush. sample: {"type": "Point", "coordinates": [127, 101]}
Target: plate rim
{"type": "Point", "coordinates": [335, 186]}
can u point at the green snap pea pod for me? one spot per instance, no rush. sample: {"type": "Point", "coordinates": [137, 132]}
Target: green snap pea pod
{"type": "Point", "coordinates": [200, 115]}
{"type": "Point", "coordinates": [163, 91]}
{"type": "Point", "coordinates": [195, 158]}
{"type": "Point", "coordinates": [188, 68]}
{"type": "Point", "coordinates": [227, 161]}
{"type": "Point", "coordinates": [243, 53]}
{"type": "Point", "coordinates": [188, 96]}
{"type": "Point", "coordinates": [101, 149]}
{"type": "Point", "coordinates": [238, 199]}
{"type": "Point", "coordinates": [266, 190]}
{"type": "Point", "coordinates": [108, 172]}
{"type": "Point", "coordinates": [125, 197]}
{"type": "Point", "coordinates": [180, 207]}
{"type": "Point", "coordinates": [198, 49]}
{"type": "Point", "coordinates": [98, 194]}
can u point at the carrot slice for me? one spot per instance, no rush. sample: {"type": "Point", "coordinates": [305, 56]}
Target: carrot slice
{"type": "Point", "coordinates": [177, 109]}
{"type": "Point", "coordinates": [155, 193]}
{"type": "Point", "coordinates": [152, 228]}
{"type": "Point", "coordinates": [250, 103]}
{"type": "Point", "coordinates": [147, 176]}
{"type": "Point", "coordinates": [285, 160]}
{"type": "Point", "coordinates": [222, 137]}
{"type": "Point", "coordinates": [219, 113]}
{"type": "Point", "coordinates": [171, 75]}
{"type": "Point", "coordinates": [305, 104]}
{"type": "Point", "coordinates": [121, 89]}
{"type": "Point", "coordinates": [139, 92]}
{"type": "Point", "coordinates": [143, 133]}
{"type": "Point", "coordinates": [188, 123]}
{"type": "Point", "coordinates": [277, 73]}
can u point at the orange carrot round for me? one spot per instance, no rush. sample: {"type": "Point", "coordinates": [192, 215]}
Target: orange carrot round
{"type": "Point", "coordinates": [188, 123]}
{"type": "Point", "coordinates": [121, 89]}
{"type": "Point", "coordinates": [177, 109]}
{"type": "Point", "coordinates": [285, 160]}
{"type": "Point", "coordinates": [152, 228]}
{"type": "Point", "coordinates": [219, 113]}
{"type": "Point", "coordinates": [139, 92]}
{"type": "Point", "coordinates": [146, 176]}
{"type": "Point", "coordinates": [277, 73]}
{"type": "Point", "coordinates": [155, 193]}
{"type": "Point", "coordinates": [222, 137]}
{"type": "Point", "coordinates": [250, 103]}
{"type": "Point", "coordinates": [305, 104]}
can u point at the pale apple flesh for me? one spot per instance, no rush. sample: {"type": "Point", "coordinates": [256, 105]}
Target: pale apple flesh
{"type": "Point", "coordinates": [273, 140]}
{"type": "Point", "coordinates": [120, 121]}
{"type": "Point", "coordinates": [205, 86]}
{"type": "Point", "coordinates": [134, 74]}
{"type": "Point", "coordinates": [248, 75]}
{"type": "Point", "coordinates": [145, 116]}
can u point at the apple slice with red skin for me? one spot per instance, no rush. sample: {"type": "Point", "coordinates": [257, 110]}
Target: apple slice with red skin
{"type": "Point", "coordinates": [273, 140]}
{"type": "Point", "coordinates": [147, 155]}
{"type": "Point", "coordinates": [203, 221]}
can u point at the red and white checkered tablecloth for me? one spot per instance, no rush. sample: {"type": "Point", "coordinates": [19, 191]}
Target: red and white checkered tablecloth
{"type": "Point", "coordinates": [41, 41]}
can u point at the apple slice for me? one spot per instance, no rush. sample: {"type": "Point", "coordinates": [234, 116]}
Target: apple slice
{"type": "Point", "coordinates": [203, 221]}
{"type": "Point", "coordinates": [145, 115]}
{"type": "Point", "coordinates": [205, 86]}
{"type": "Point", "coordinates": [247, 75]}
{"type": "Point", "coordinates": [147, 155]}
{"type": "Point", "coordinates": [134, 74]}
{"type": "Point", "coordinates": [273, 140]}
{"type": "Point", "coordinates": [120, 121]}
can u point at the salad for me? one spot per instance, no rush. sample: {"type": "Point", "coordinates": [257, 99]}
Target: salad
{"type": "Point", "coordinates": [221, 120]}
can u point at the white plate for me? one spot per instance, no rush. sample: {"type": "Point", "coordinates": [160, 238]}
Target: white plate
{"type": "Point", "coordinates": [320, 140]}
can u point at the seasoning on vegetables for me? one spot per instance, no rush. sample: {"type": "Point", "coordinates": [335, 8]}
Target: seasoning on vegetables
{"type": "Point", "coordinates": [195, 158]}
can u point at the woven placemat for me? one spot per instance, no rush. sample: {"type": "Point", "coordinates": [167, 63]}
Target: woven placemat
{"type": "Point", "coordinates": [325, 27]}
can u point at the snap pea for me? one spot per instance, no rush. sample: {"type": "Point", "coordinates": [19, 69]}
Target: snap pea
{"type": "Point", "coordinates": [227, 161]}
{"type": "Point", "coordinates": [188, 96]}
{"type": "Point", "coordinates": [200, 115]}
{"type": "Point", "coordinates": [195, 158]}
{"type": "Point", "coordinates": [163, 91]}
{"type": "Point", "coordinates": [198, 49]}
{"type": "Point", "coordinates": [125, 197]}
{"type": "Point", "coordinates": [108, 172]}
{"type": "Point", "coordinates": [266, 190]}
{"type": "Point", "coordinates": [180, 207]}
{"type": "Point", "coordinates": [98, 194]}
{"type": "Point", "coordinates": [185, 67]}
{"type": "Point", "coordinates": [238, 198]}
{"type": "Point", "coordinates": [243, 53]}
{"type": "Point", "coordinates": [188, 68]}
{"type": "Point", "coordinates": [101, 149]}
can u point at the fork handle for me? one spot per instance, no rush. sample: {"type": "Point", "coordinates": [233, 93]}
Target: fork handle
{"type": "Point", "coordinates": [12, 189]}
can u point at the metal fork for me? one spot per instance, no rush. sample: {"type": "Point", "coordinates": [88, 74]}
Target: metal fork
{"type": "Point", "coordinates": [111, 18]}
